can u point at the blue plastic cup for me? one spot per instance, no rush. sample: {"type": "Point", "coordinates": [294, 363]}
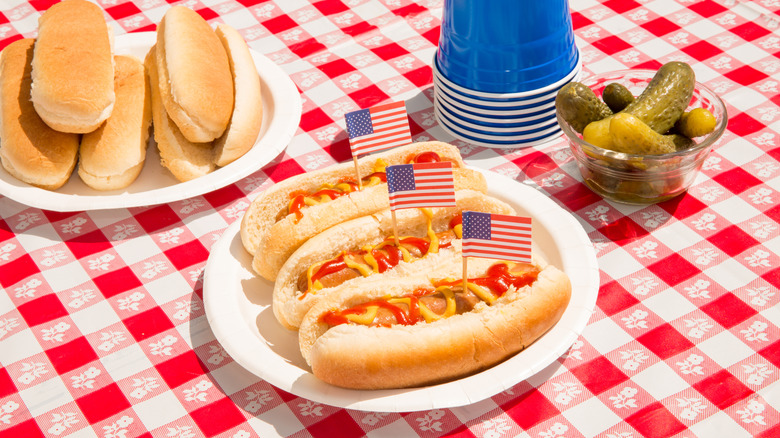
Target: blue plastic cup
{"type": "Point", "coordinates": [506, 46]}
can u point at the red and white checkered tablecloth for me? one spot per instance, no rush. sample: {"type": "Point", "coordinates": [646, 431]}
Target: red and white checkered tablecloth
{"type": "Point", "coordinates": [102, 324]}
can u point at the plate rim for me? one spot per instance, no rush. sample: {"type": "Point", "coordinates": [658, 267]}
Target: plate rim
{"type": "Point", "coordinates": [459, 392]}
{"type": "Point", "coordinates": [287, 111]}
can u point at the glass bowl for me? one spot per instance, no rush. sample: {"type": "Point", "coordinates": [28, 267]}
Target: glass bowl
{"type": "Point", "coordinates": [643, 179]}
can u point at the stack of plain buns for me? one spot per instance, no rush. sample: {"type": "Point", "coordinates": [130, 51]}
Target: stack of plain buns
{"type": "Point", "coordinates": [67, 98]}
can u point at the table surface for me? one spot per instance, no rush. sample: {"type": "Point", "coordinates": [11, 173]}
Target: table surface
{"type": "Point", "coordinates": [102, 324]}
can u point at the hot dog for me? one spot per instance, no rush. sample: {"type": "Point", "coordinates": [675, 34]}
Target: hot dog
{"type": "Point", "coordinates": [365, 248]}
{"type": "Point", "coordinates": [292, 211]}
{"type": "Point", "coordinates": [420, 330]}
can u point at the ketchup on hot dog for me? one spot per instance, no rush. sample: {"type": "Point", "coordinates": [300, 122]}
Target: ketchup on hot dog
{"type": "Point", "coordinates": [329, 192]}
{"type": "Point", "coordinates": [446, 298]}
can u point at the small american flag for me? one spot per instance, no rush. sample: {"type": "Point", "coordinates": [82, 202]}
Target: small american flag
{"type": "Point", "coordinates": [421, 185]}
{"type": "Point", "coordinates": [496, 236]}
{"type": "Point", "coordinates": [378, 128]}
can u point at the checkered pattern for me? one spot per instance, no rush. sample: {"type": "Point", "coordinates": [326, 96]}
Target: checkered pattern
{"type": "Point", "coordinates": [102, 328]}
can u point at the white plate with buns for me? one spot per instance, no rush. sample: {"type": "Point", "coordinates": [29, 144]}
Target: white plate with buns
{"type": "Point", "coordinates": [155, 185]}
{"type": "Point", "coordinates": [238, 308]}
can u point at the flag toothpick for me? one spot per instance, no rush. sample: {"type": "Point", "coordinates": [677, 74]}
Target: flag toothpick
{"type": "Point", "coordinates": [376, 129]}
{"type": "Point", "coordinates": [420, 185]}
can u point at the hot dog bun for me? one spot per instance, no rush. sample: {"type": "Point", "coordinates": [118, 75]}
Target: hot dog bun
{"type": "Point", "coordinates": [196, 85]}
{"type": "Point", "coordinates": [247, 118]}
{"type": "Point", "coordinates": [73, 67]}
{"type": "Point", "coordinates": [272, 242]}
{"type": "Point", "coordinates": [363, 357]}
{"type": "Point", "coordinates": [184, 159]}
{"type": "Point", "coordinates": [30, 150]}
{"type": "Point", "coordinates": [290, 303]}
{"type": "Point", "coordinates": [112, 156]}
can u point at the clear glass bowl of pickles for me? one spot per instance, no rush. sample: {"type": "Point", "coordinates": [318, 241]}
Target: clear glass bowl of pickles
{"type": "Point", "coordinates": [640, 136]}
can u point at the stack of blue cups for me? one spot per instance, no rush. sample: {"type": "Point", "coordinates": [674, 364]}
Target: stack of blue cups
{"type": "Point", "coordinates": [497, 69]}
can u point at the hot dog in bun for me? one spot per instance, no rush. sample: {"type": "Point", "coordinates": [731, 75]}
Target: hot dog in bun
{"type": "Point", "coordinates": [425, 329]}
{"type": "Point", "coordinates": [292, 211]}
{"type": "Point", "coordinates": [365, 248]}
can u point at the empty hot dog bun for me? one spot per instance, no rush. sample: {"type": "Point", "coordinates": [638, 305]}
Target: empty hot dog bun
{"type": "Point", "coordinates": [355, 251]}
{"type": "Point", "coordinates": [196, 85]}
{"type": "Point", "coordinates": [273, 227]}
{"type": "Point", "coordinates": [184, 159]}
{"type": "Point", "coordinates": [112, 156]}
{"type": "Point", "coordinates": [73, 67]}
{"type": "Point", "coordinates": [247, 118]}
{"type": "Point", "coordinates": [30, 150]}
{"type": "Point", "coordinates": [355, 355]}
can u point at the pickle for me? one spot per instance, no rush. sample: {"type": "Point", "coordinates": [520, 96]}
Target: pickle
{"type": "Point", "coordinates": [617, 97]}
{"type": "Point", "coordinates": [696, 123]}
{"type": "Point", "coordinates": [667, 95]}
{"type": "Point", "coordinates": [579, 106]}
{"type": "Point", "coordinates": [631, 135]}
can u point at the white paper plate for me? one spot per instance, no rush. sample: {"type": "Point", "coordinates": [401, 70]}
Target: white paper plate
{"type": "Point", "coordinates": [155, 185]}
{"type": "Point", "coordinates": [238, 307]}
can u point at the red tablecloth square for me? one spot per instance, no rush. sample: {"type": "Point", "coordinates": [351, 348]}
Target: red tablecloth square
{"type": "Point", "coordinates": [116, 282]}
{"type": "Point", "coordinates": [599, 375]}
{"type": "Point", "coordinates": [736, 180]}
{"type": "Point", "coordinates": [328, 7]}
{"type": "Point", "coordinates": [279, 24]}
{"type": "Point", "coordinates": [746, 75]}
{"type": "Point", "coordinates": [743, 125]}
{"type": "Point", "coordinates": [611, 45]}
{"type": "Point", "coordinates": [366, 97]}
{"type": "Point", "coordinates": [673, 269]}
{"type": "Point", "coordinates": [614, 298]}
{"type": "Point", "coordinates": [17, 270]}
{"type": "Point", "coordinates": [772, 353]}
{"type": "Point", "coordinates": [283, 170]}
{"type": "Point", "coordinates": [577, 197]}
{"type": "Point", "coordinates": [623, 230]}
{"type": "Point", "coordinates": [750, 31]}
{"type": "Point", "coordinates": [307, 47]}
{"type": "Point", "coordinates": [224, 196]}
{"type": "Point", "coordinates": [535, 163]}
{"type": "Point", "coordinates": [701, 50]}
{"type": "Point", "coordinates": [707, 8]}
{"type": "Point", "coordinates": [420, 77]}
{"type": "Point", "coordinates": [123, 11]}
{"type": "Point", "coordinates": [773, 277]}
{"type": "Point", "coordinates": [186, 255]}
{"type": "Point", "coordinates": [157, 218]}
{"type": "Point", "coordinates": [340, 424]}
{"type": "Point", "coordinates": [207, 13]}
{"type": "Point", "coordinates": [683, 206]}
{"type": "Point", "coordinates": [27, 429]}
{"type": "Point", "coordinates": [7, 386]}
{"type": "Point", "coordinates": [314, 119]}
{"type": "Point", "coordinates": [72, 355]}
{"type": "Point", "coordinates": [358, 29]}
{"type": "Point", "coordinates": [147, 324]}
{"type": "Point", "coordinates": [409, 10]}
{"type": "Point", "coordinates": [664, 341]}
{"type": "Point", "coordinates": [180, 369]}
{"type": "Point", "coordinates": [41, 310]}
{"type": "Point", "coordinates": [217, 417]}
{"type": "Point", "coordinates": [103, 403]}
{"type": "Point", "coordinates": [733, 240]}
{"type": "Point", "coordinates": [661, 26]}
{"type": "Point", "coordinates": [655, 421]}
{"type": "Point", "coordinates": [728, 310]}
{"type": "Point", "coordinates": [87, 244]}
{"type": "Point", "coordinates": [389, 51]}
{"type": "Point", "coordinates": [337, 67]}
{"type": "Point", "coordinates": [722, 389]}
{"type": "Point", "coordinates": [621, 6]}
{"type": "Point", "coordinates": [530, 409]}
